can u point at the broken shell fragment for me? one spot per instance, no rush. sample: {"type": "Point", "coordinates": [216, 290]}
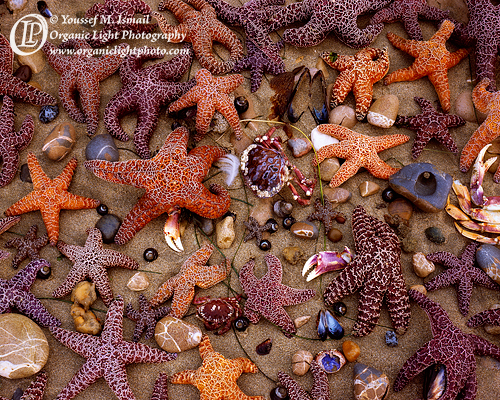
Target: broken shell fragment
{"type": "Point", "coordinates": [330, 360]}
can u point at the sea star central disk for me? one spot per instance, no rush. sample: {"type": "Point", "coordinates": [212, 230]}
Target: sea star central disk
{"type": "Point", "coordinates": [376, 272]}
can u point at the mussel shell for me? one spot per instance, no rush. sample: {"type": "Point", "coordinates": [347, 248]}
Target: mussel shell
{"type": "Point", "coordinates": [334, 329]}
{"type": "Point", "coordinates": [321, 325]}
{"type": "Point", "coordinates": [434, 382]}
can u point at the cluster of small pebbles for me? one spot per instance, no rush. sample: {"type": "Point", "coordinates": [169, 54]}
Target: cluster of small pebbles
{"type": "Point", "coordinates": [83, 296]}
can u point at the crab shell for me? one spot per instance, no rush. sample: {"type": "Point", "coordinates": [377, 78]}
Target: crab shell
{"type": "Point", "coordinates": [218, 314]}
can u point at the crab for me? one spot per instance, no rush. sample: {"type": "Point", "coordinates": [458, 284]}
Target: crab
{"type": "Point", "coordinates": [326, 261]}
{"type": "Point", "coordinates": [266, 169]}
{"type": "Point", "coordinates": [218, 314]}
{"type": "Point", "coordinates": [477, 212]}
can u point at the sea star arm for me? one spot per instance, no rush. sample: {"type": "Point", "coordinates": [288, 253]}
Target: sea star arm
{"type": "Point", "coordinates": [160, 390]}
{"type": "Point", "coordinates": [439, 80]}
{"type": "Point", "coordinates": [29, 305]}
{"type": "Point", "coordinates": [457, 56]}
{"type": "Point", "coordinates": [309, 34]}
{"type": "Point", "coordinates": [411, 47]}
{"type": "Point", "coordinates": [86, 376]}
{"type": "Point", "coordinates": [113, 258]}
{"type": "Point", "coordinates": [26, 204]}
{"type": "Point", "coordinates": [229, 83]}
{"type": "Point", "coordinates": [164, 292]}
{"type": "Point", "coordinates": [67, 87]}
{"type": "Point", "coordinates": [370, 303]}
{"type": "Point", "coordinates": [75, 202]}
{"type": "Point", "coordinates": [348, 281]}
{"type": "Point", "coordinates": [207, 277]}
{"type": "Point", "coordinates": [174, 69]}
{"type": "Point", "coordinates": [292, 296]}
{"type": "Point", "coordinates": [342, 87]}
{"type": "Point", "coordinates": [98, 275]}
{"type": "Point", "coordinates": [56, 59]}
{"type": "Point", "coordinates": [379, 168]}
{"type": "Point", "coordinates": [444, 279]}
{"type": "Point", "coordinates": [124, 172]}
{"type": "Point", "coordinates": [106, 65]}
{"type": "Point", "coordinates": [63, 180]}
{"type": "Point", "coordinates": [294, 12]}
{"type": "Point", "coordinates": [176, 34]}
{"type": "Point", "coordinates": [244, 364]}
{"type": "Point", "coordinates": [486, 55]}
{"type": "Point", "coordinates": [295, 391]}
{"type": "Point", "coordinates": [274, 273]}
{"type": "Point", "coordinates": [186, 100]}
{"type": "Point", "coordinates": [122, 103]}
{"type": "Point", "coordinates": [398, 304]}
{"type": "Point", "coordinates": [74, 276]}
{"type": "Point", "coordinates": [357, 38]}
{"type": "Point", "coordinates": [132, 353]}
{"type": "Point", "coordinates": [482, 347]}
{"type": "Point", "coordinates": [440, 321]}
{"type": "Point", "coordinates": [97, 9]}
{"type": "Point", "coordinates": [247, 277]}
{"type": "Point", "coordinates": [483, 99]}
{"type": "Point", "coordinates": [443, 33]}
{"type": "Point", "coordinates": [38, 176]}
{"type": "Point", "coordinates": [115, 376]}
{"type": "Point", "coordinates": [186, 377]}
{"type": "Point", "coordinates": [226, 12]}
{"type": "Point", "coordinates": [386, 15]}
{"type": "Point", "coordinates": [81, 343]}
{"type": "Point", "coordinates": [447, 259]}
{"type": "Point", "coordinates": [25, 278]}
{"type": "Point", "coordinates": [491, 317]}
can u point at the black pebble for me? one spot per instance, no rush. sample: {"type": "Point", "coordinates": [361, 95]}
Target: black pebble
{"type": "Point", "coordinates": [176, 125]}
{"type": "Point", "coordinates": [18, 394]}
{"type": "Point", "coordinates": [274, 227]}
{"type": "Point", "coordinates": [48, 113]}
{"type": "Point", "coordinates": [150, 254]}
{"type": "Point", "coordinates": [24, 73]}
{"type": "Point", "coordinates": [389, 195]}
{"type": "Point", "coordinates": [102, 209]}
{"type": "Point", "coordinates": [241, 324]}
{"type": "Point", "coordinates": [108, 225]}
{"type": "Point", "coordinates": [339, 308]}
{"type": "Point", "coordinates": [435, 235]}
{"type": "Point", "coordinates": [25, 174]}
{"type": "Point", "coordinates": [288, 222]}
{"type": "Point", "coordinates": [241, 104]}
{"type": "Point", "coordinates": [279, 393]}
{"type": "Point", "coordinates": [44, 272]}
{"type": "Point", "coordinates": [265, 245]}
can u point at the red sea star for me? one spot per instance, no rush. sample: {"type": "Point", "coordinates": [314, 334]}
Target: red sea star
{"type": "Point", "coordinates": [119, 16]}
{"type": "Point", "coordinates": [319, 391]}
{"type": "Point", "coordinates": [488, 103]}
{"type": "Point", "coordinates": [27, 246]}
{"type": "Point", "coordinates": [107, 355]}
{"type": "Point", "coordinates": [172, 179]}
{"type": "Point", "coordinates": [82, 73]}
{"type": "Point", "coordinates": [200, 26]}
{"type": "Point", "coordinates": [15, 87]}
{"type": "Point", "coordinates": [50, 196]}
{"type": "Point", "coordinates": [194, 272]}
{"type": "Point", "coordinates": [145, 90]}
{"type": "Point", "coordinates": [35, 390]}
{"type": "Point", "coordinates": [160, 391]}
{"type": "Point", "coordinates": [408, 11]}
{"type": "Point", "coordinates": [358, 73]}
{"type": "Point", "coordinates": [358, 151]}
{"type": "Point", "coordinates": [450, 347]}
{"type": "Point", "coordinates": [326, 214]}
{"type": "Point", "coordinates": [12, 142]}
{"type": "Point", "coordinates": [431, 124]}
{"type": "Point", "coordinates": [91, 261]}
{"type": "Point", "coordinates": [490, 317]}
{"type": "Point", "coordinates": [432, 59]}
{"type": "Point", "coordinates": [146, 318]}
{"type": "Point", "coordinates": [211, 94]}
{"type": "Point", "coordinates": [267, 296]}
{"type": "Point", "coordinates": [6, 223]}
{"type": "Point", "coordinates": [462, 273]}
{"type": "Point", "coordinates": [376, 271]}
{"type": "Point", "coordinates": [216, 377]}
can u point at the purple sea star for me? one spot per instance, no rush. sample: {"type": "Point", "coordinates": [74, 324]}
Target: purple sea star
{"type": "Point", "coordinates": [326, 214]}
{"type": "Point", "coordinates": [16, 293]}
{"type": "Point", "coordinates": [27, 246]}
{"type": "Point", "coordinates": [107, 355]}
{"type": "Point", "coordinates": [255, 230]}
{"type": "Point", "coordinates": [319, 391]}
{"type": "Point", "coordinates": [35, 390]}
{"type": "Point", "coordinates": [146, 318]}
{"type": "Point", "coordinates": [119, 16]}
{"type": "Point", "coordinates": [145, 90]}
{"type": "Point", "coordinates": [91, 262]}
{"type": "Point", "coordinates": [160, 391]}
{"type": "Point", "coordinates": [462, 273]}
{"type": "Point", "coordinates": [450, 347]}
{"type": "Point", "coordinates": [490, 317]}
{"type": "Point", "coordinates": [258, 62]}
{"type": "Point", "coordinates": [339, 16]}
{"type": "Point", "coordinates": [15, 87]}
{"type": "Point", "coordinates": [267, 296]}
{"type": "Point", "coordinates": [429, 124]}
{"type": "Point", "coordinates": [12, 142]}
{"type": "Point", "coordinates": [376, 271]}
{"type": "Point", "coordinates": [82, 73]}
{"type": "Point", "coordinates": [5, 224]}
{"type": "Point", "coordinates": [408, 12]}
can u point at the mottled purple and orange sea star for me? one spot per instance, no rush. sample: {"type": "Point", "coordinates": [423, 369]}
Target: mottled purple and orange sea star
{"type": "Point", "coordinates": [172, 180]}
{"type": "Point", "coordinates": [450, 347]}
{"type": "Point", "coordinates": [80, 72]}
{"type": "Point", "coordinates": [144, 91]}
{"type": "Point", "coordinates": [50, 196]}
{"type": "Point", "coordinates": [376, 272]}
{"type": "Point", "coordinates": [432, 59]}
{"type": "Point", "coordinates": [107, 355]}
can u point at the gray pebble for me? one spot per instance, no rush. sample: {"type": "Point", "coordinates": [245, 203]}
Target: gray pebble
{"type": "Point", "coordinates": [435, 235]}
{"type": "Point", "coordinates": [108, 225]}
{"type": "Point", "coordinates": [102, 147]}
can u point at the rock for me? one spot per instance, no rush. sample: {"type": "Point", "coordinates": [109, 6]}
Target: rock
{"type": "Point", "coordinates": [84, 294]}
{"type": "Point", "coordinates": [301, 321]}
{"type": "Point", "coordinates": [369, 383]}
{"type": "Point", "coordinates": [174, 335]}
{"type": "Point", "coordinates": [351, 350]}
{"type": "Point", "coordinates": [85, 320]}
{"type": "Point", "coordinates": [368, 188]}
{"type": "Point", "coordinates": [293, 254]}
{"type": "Point", "coordinates": [319, 139]}
{"type": "Point", "coordinates": [493, 329]}
{"type": "Point", "coordinates": [304, 230]}
{"type": "Point", "coordinates": [224, 232]}
{"type": "Point", "coordinates": [435, 235]}
{"type": "Point", "coordinates": [299, 147]}
{"type": "Point", "coordinates": [206, 225]}
{"type": "Point", "coordinates": [263, 210]}
{"type": "Point", "coordinates": [24, 73]}
{"type": "Point", "coordinates": [342, 115]}
{"type": "Point", "coordinates": [24, 349]}
{"type": "Point", "coordinates": [219, 124]}
{"type": "Point", "coordinates": [35, 61]}
{"type": "Point", "coordinates": [464, 107]}
{"type": "Point", "coordinates": [48, 113]}
{"type": "Point", "coordinates": [391, 339]}
{"type": "Point", "coordinates": [410, 244]}
{"type": "Point", "coordinates": [102, 147]}
{"type": "Point", "coordinates": [336, 195]}
{"type": "Point", "coordinates": [335, 235]}
{"type": "Point", "coordinates": [383, 111]}
{"type": "Point", "coordinates": [423, 185]}
{"type": "Point", "coordinates": [301, 362]}
{"type": "Point", "coordinates": [108, 225]}
{"type": "Point", "coordinates": [16, 5]}
{"type": "Point", "coordinates": [330, 360]}
{"type": "Point", "coordinates": [328, 168]}
{"type": "Point", "coordinates": [422, 266]}
{"type": "Point", "coordinates": [488, 258]}
{"type": "Point", "coordinates": [400, 207]}
{"type": "Point", "coordinates": [282, 208]}
{"type": "Point", "coordinates": [59, 142]}
{"type": "Point", "coordinates": [138, 282]}
{"type": "Point", "coordinates": [419, 288]}
{"type": "Point", "coordinates": [25, 174]}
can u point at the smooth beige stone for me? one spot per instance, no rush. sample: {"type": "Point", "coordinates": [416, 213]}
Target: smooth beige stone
{"type": "Point", "coordinates": [59, 142]}
{"type": "Point", "coordinates": [84, 294]}
{"type": "Point", "coordinates": [301, 362]}
{"type": "Point", "coordinates": [351, 350]}
{"type": "Point", "coordinates": [422, 266]}
{"type": "Point", "coordinates": [420, 288]}
{"type": "Point", "coordinates": [384, 111]}
{"type": "Point", "coordinates": [174, 335]}
{"type": "Point", "coordinates": [464, 107]}
{"type": "Point", "coordinates": [328, 168]}
{"type": "Point", "coordinates": [138, 282]}
{"type": "Point", "coordinates": [343, 116]}
{"type": "Point", "coordinates": [301, 321]}
{"type": "Point", "coordinates": [336, 195]}
{"type": "Point", "coordinates": [224, 232]}
{"type": "Point", "coordinates": [24, 349]}
{"type": "Point", "coordinates": [368, 188]}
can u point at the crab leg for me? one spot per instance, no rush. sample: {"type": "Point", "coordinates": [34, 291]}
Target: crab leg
{"type": "Point", "coordinates": [326, 261]}
{"type": "Point", "coordinates": [476, 189]}
{"type": "Point", "coordinates": [480, 214]}
{"type": "Point", "coordinates": [477, 237]}
{"type": "Point", "coordinates": [466, 222]}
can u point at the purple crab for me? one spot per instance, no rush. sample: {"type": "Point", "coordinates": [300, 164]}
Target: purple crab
{"type": "Point", "coordinates": [326, 261]}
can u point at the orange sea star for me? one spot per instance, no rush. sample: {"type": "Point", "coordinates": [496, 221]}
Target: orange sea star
{"type": "Point", "coordinates": [432, 59]}
{"type": "Point", "coordinates": [50, 196]}
{"type": "Point", "coordinates": [216, 377]}
{"type": "Point", "coordinates": [358, 151]}
{"type": "Point", "coordinates": [358, 73]}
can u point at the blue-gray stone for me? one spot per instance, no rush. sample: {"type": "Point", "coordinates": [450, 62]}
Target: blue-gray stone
{"type": "Point", "coordinates": [391, 339]}
{"type": "Point", "coordinates": [423, 185]}
{"type": "Point", "coordinates": [102, 147]}
{"type": "Point", "coordinates": [108, 225]}
{"type": "Point", "coordinates": [488, 258]}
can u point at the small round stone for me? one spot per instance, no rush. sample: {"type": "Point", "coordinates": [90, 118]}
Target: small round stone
{"type": "Point", "coordinates": [25, 174]}
{"type": "Point", "coordinates": [174, 335]}
{"type": "Point", "coordinates": [335, 235]}
{"type": "Point", "coordinates": [301, 362]}
{"type": "Point", "coordinates": [301, 321]}
{"type": "Point", "coordinates": [108, 225]}
{"type": "Point", "coordinates": [102, 147]}
{"type": "Point", "coordinates": [44, 272]}
{"type": "Point", "coordinates": [435, 235]}
{"type": "Point", "coordinates": [368, 188]}
{"type": "Point", "coordinates": [328, 168]}
{"type": "Point", "coordinates": [138, 282]}
{"type": "Point", "coordinates": [274, 227]}
{"type": "Point", "coordinates": [18, 394]}
{"type": "Point", "coordinates": [150, 254]}
{"type": "Point", "coordinates": [59, 142]}
{"type": "Point", "coordinates": [464, 107]}
{"type": "Point", "coordinates": [264, 348]}
{"type": "Point", "coordinates": [288, 222]}
{"type": "Point", "coordinates": [402, 208]}
{"type": "Point", "coordinates": [391, 339]}
{"type": "Point", "coordinates": [304, 230]}
{"type": "Point", "coordinates": [299, 147]}
{"type": "Point", "coordinates": [293, 254]}
{"type": "Point", "coordinates": [488, 257]}
{"type": "Point", "coordinates": [282, 208]}
{"type": "Point", "coordinates": [343, 116]}
{"type": "Point", "coordinates": [84, 294]}
{"type": "Point", "coordinates": [241, 104]}
{"type": "Point", "coordinates": [241, 324]}
{"type": "Point", "coordinates": [419, 288]}
{"type": "Point", "coordinates": [102, 209]}
{"type": "Point", "coordinates": [336, 195]}
{"type": "Point", "coordinates": [279, 393]}
{"type": "Point", "coordinates": [422, 266]}
{"type": "Point", "coordinates": [351, 350]}
{"type": "Point", "coordinates": [24, 73]}
{"type": "Point", "coordinates": [48, 113]}
{"type": "Point", "coordinates": [389, 194]}
{"type": "Point", "coordinates": [383, 111]}
{"type": "Point", "coordinates": [265, 245]}
{"type": "Point", "coordinates": [15, 6]}
{"type": "Point", "coordinates": [339, 308]}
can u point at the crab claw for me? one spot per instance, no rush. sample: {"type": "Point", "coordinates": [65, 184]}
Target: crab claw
{"type": "Point", "coordinates": [171, 230]}
{"type": "Point", "coordinates": [326, 261]}
{"type": "Point", "coordinates": [476, 181]}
